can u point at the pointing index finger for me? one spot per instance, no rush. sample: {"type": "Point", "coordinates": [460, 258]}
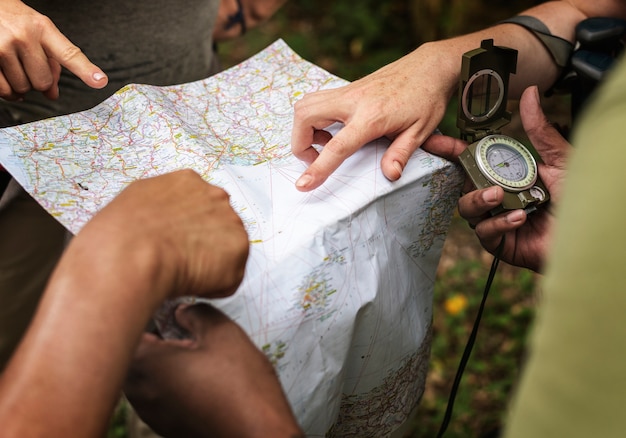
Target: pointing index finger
{"type": "Point", "coordinates": [59, 48]}
{"type": "Point", "coordinates": [337, 149]}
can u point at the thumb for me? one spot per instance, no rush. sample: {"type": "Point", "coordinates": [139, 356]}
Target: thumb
{"type": "Point", "coordinates": [197, 318]}
{"type": "Point", "coordinates": [541, 133]}
{"type": "Point", "coordinates": [446, 147]}
{"type": "Point", "coordinates": [62, 50]}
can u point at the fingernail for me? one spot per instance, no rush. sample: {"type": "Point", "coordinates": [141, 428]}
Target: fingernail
{"type": "Point", "coordinates": [490, 195]}
{"type": "Point", "coordinates": [536, 94]}
{"type": "Point", "coordinates": [98, 76]}
{"type": "Point", "coordinates": [304, 181]}
{"type": "Point", "coordinates": [396, 165]}
{"type": "Point", "coordinates": [515, 216]}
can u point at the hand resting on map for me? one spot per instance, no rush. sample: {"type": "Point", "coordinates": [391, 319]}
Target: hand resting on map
{"type": "Point", "coordinates": [527, 237]}
{"type": "Point", "coordinates": [405, 100]}
{"type": "Point", "coordinates": [32, 52]}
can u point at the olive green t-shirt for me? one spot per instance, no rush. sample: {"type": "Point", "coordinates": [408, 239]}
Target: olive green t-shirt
{"type": "Point", "coordinates": [574, 384]}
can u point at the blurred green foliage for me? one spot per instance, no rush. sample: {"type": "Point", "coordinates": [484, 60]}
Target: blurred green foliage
{"type": "Point", "coordinates": [346, 39]}
{"type": "Point", "coordinates": [353, 39]}
{"type": "Point", "coordinates": [117, 425]}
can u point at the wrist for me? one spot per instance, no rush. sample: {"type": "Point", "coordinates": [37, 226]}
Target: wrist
{"type": "Point", "coordinates": [445, 56]}
{"type": "Point", "coordinates": [120, 258]}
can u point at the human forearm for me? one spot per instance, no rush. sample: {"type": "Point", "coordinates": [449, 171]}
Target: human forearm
{"type": "Point", "coordinates": [65, 377]}
{"type": "Point", "coordinates": [165, 236]}
{"type": "Point", "coordinates": [535, 65]}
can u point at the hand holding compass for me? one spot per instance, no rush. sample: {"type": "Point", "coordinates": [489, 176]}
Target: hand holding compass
{"type": "Point", "coordinates": [527, 236]}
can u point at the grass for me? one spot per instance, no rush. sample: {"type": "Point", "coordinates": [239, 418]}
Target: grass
{"type": "Point", "coordinates": [117, 426]}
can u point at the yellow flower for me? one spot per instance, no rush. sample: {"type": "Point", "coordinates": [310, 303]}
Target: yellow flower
{"type": "Point", "coordinates": [455, 304]}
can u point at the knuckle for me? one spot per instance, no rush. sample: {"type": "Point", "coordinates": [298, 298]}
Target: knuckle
{"type": "Point", "coordinates": [5, 90]}
{"type": "Point", "coordinates": [297, 151]}
{"type": "Point", "coordinates": [43, 84]}
{"type": "Point", "coordinates": [70, 52]}
{"type": "Point", "coordinates": [299, 105]}
{"type": "Point", "coordinates": [402, 151]}
{"type": "Point", "coordinates": [21, 88]}
{"type": "Point", "coordinates": [22, 36]}
{"type": "Point", "coordinates": [6, 93]}
{"type": "Point", "coordinates": [338, 146]}
{"type": "Point", "coordinates": [220, 194]}
{"type": "Point", "coordinates": [4, 47]}
{"type": "Point", "coordinates": [188, 173]}
{"type": "Point", "coordinates": [16, 85]}
{"type": "Point", "coordinates": [374, 121]}
{"type": "Point", "coordinates": [42, 23]}
{"type": "Point", "coordinates": [302, 110]}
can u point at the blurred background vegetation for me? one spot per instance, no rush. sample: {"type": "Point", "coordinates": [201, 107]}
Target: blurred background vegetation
{"type": "Point", "coordinates": [352, 39]}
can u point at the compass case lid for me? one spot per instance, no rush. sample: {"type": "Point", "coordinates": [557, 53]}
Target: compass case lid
{"type": "Point", "coordinates": [483, 90]}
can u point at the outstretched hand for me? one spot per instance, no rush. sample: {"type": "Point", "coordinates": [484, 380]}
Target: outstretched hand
{"type": "Point", "coordinates": [214, 384]}
{"type": "Point", "coordinates": [527, 236]}
{"type": "Point", "coordinates": [32, 52]}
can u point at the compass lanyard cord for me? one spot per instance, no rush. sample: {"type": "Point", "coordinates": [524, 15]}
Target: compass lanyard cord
{"type": "Point", "coordinates": [470, 341]}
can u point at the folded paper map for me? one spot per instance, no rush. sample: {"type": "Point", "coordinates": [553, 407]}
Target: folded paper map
{"type": "Point", "coordinates": [339, 282]}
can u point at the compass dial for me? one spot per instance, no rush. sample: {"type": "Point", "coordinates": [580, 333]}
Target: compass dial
{"type": "Point", "coordinates": [506, 162]}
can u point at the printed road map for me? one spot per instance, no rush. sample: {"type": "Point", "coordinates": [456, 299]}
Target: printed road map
{"type": "Point", "coordinates": [338, 289]}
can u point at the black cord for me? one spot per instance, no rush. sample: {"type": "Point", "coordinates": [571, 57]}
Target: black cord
{"type": "Point", "coordinates": [470, 342]}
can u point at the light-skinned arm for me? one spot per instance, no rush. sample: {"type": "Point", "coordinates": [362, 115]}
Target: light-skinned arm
{"type": "Point", "coordinates": [406, 100]}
